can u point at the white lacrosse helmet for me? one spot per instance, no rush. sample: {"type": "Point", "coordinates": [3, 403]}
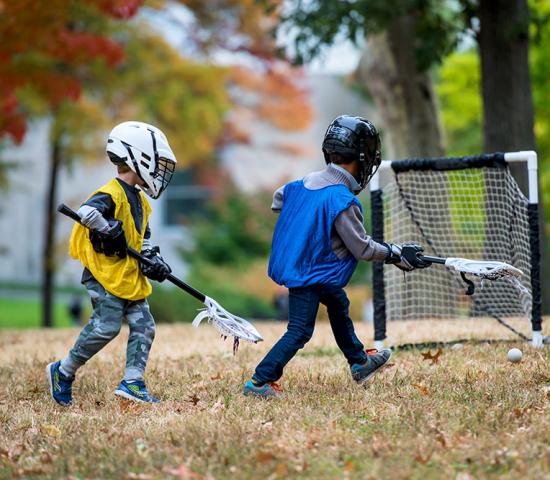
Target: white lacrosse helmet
{"type": "Point", "coordinates": [144, 148]}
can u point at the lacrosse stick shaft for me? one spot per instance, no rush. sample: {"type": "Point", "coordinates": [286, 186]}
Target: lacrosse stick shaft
{"type": "Point", "coordinates": [65, 210]}
{"type": "Point", "coordinates": [429, 258]}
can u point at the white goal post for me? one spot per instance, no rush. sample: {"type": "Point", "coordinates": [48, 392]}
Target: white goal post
{"type": "Point", "coordinates": [469, 207]}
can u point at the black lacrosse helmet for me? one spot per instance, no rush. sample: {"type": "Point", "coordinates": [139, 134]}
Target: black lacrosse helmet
{"type": "Point", "coordinates": [354, 138]}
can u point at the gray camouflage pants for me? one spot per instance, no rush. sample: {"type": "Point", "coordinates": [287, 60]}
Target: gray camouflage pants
{"type": "Point", "coordinates": [104, 325]}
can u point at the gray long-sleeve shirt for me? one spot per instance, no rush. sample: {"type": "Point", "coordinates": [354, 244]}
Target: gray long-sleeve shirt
{"type": "Point", "coordinates": [348, 233]}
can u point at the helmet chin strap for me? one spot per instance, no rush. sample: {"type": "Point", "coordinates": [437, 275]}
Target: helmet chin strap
{"type": "Point", "coordinates": [362, 172]}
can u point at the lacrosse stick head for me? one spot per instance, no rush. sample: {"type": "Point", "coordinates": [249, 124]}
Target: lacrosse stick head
{"type": "Point", "coordinates": [226, 323]}
{"type": "Point", "coordinates": [484, 269]}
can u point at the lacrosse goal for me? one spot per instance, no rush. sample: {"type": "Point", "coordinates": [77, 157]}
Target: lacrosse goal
{"type": "Point", "coordinates": [469, 207]}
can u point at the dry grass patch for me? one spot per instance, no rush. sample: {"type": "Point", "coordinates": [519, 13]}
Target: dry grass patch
{"type": "Point", "coordinates": [468, 414]}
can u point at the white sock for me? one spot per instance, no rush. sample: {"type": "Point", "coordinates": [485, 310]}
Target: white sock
{"type": "Point", "coordinates": [65, 374]}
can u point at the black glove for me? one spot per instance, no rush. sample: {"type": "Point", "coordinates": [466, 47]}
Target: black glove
{"type": "Point", "coordinates": [159, 269]}
{"type": "Point", "coordinates": [405, 257]}
{"type": "Point", "coordinates": [110, 242]}
{"type": "Point", "coordinates": [410, 251]}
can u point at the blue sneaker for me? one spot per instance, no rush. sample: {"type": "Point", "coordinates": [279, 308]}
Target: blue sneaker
{"type": "Point", "coordinates": [61, 387]}
{"type": "Point", "coordinates": [267, 390]}
{"type": "Point", "coordinates": [376, 359]}
{"type": "Point", "coordinates": [135, 391]}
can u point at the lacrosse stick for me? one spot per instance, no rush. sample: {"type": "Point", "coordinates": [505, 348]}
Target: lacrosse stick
{"type": "Point", "coordinates": [489, 270]}
{"type": "Point", "coordinates": [227, 324]}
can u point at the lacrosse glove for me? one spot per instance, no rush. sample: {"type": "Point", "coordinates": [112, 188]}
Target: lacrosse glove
{"type": "Point", "coordinates": [405, 257]}
{"type": "Point", "coordinates": [111, 241]}
{"type": "Point", "coordinates": [410, 251]}
{"type": "Point", "coordinates": [159, 269]}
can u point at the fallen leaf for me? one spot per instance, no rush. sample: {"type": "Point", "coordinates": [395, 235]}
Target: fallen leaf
{"type": "Point", "coordinates": [30, 471]}
{"type": "Point", "coordinates": [264, 457]}
{"type": "Point", "coordinates": [423, 390]}
{"type": "Point", "coordinates": [45, 457]}
{"type": "Point", "coordinates": [218, 376]}
{"type": "Point", "coordinates": [51, 430]}
{"type": "Point", "coordinates": [349, 466]}
{"type": "Point", "coordinates": [128, 405]}
{"type": "Point", "coordinates": [441, 438]}
{"type": "Point", "coordinates": [433, 358]}
{"type": "Point", "coordinates": [282, 471]}
{"type": "Point", "coordinates": [193, 399]}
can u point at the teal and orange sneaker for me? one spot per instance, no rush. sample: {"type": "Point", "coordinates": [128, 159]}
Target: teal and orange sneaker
{"type": "Point", "coordinates": [61, 387]}
{"type": "Point", "coordinates": [376, 359]}
{"type": "Point", "coordinates": [135, 391]}
{"type": "Point", "coordinates": [267, 390]}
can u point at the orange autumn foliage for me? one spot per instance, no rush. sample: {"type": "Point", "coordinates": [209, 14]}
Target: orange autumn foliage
{"type": "Point", "coordinates": [49, 45]}
{"type": "Point", "coordinates": [273, 90]}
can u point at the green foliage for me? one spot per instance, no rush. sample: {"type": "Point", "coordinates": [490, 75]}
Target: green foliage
{"type": "Point", "coordinates": [540, 73]}
{"type": "Point", "coordinates": [322, 22]}
{"type": "Point", "coordinates": [171, 305]}
{"type": "Point", "coordinates": [458, 88]}
{"type": "Point", "coordinates": [234, 234]}
{"type": "Point", "coordinates": [237, 231]}
{"type": "Point", "coordinates": [459, 93]}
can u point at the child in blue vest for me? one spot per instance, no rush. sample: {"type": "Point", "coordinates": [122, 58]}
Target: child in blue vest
{"type": "Point", "coordinates": [318, 240]}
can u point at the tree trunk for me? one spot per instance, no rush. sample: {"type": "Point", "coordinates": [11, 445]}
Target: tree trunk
{"type": "Point", "coordinates": [508, 113]}
{"type": "Point", "coordinates": [403, 95]}
{"type": "Point", "coordinates": [48, 255]}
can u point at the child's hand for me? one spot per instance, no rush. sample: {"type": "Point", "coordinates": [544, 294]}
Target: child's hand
{"type": "Point", "coordinates": [408, 261]}
{"type": "Point", "coordinates": [110, 242]}
{"type": "Point", "coordinates": [159, 269]}
{"type": "Point", "coordinates": [394, 258]}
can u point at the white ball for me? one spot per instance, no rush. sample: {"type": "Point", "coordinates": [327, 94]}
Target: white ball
{"type": "Point", "coordinates": [514, 355]}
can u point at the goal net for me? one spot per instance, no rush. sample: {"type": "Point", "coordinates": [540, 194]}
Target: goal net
{"type": "Point", "coordinates": [469, 207]}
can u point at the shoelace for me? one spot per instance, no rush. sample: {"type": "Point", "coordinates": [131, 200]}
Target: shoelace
{"type": "Point", "coordinates": [371, 351]}
{"type": "Point", "coordinates": [275, 386]}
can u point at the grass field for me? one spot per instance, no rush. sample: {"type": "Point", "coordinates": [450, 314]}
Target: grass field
{"type": "Point", "coordinates": [25, 313]}
{"type": "Point", "coordinates": [471, 414]}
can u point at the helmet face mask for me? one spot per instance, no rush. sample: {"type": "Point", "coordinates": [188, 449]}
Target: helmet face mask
{"type": "Point", "coordinates": [163, 174]}
{"type": "Point", "coordinates": [145, 149]}
{"type": "Point", "coordinates": [357, 139]}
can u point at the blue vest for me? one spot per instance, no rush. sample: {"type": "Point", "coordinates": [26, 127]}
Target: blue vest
{"type": "Point", "coordinates": [301, 251]}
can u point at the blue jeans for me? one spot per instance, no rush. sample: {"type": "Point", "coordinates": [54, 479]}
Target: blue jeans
{"type": "Point", "coordinates": [303, 307]}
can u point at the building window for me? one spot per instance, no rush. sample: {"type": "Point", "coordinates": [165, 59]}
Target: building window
{"type": "Point", "coordinates": [185, 200]}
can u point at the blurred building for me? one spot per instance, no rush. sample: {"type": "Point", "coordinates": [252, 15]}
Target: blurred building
{"type": "Point", "coordinates": [271, 158]}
